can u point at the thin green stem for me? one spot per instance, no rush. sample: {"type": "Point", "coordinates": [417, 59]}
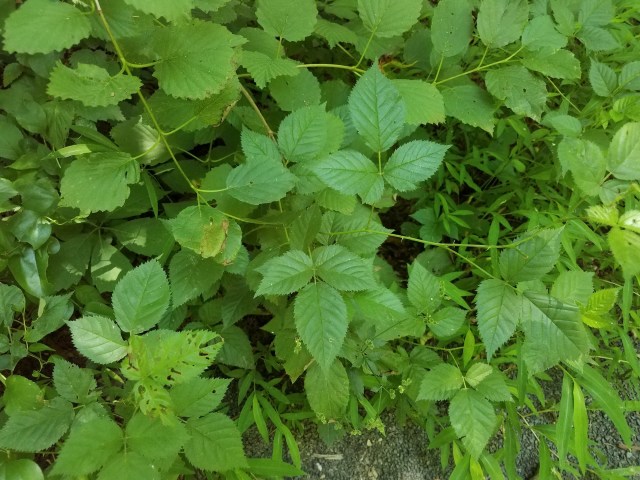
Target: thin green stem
{"type": "Point", "coordinates": [141, 65]}
{"type": "Point", "coordinates": [332, 65]}
{"type": "Point", "coordinates": [256, 109]}
{"type": "Point", "coordinates": [366, 48]}
{"type": "Point", "coordinates": [479, 68]}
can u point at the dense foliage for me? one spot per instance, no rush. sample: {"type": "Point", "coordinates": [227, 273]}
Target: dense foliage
{"type": "Point", "coordinates": [343, 207]}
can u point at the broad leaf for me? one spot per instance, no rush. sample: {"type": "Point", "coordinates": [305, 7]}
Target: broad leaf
{"type": "Point", "coordinates": [541, 33]}
{"type": "Point", "coordinates": [440, 383]}
{"type": "Point", "coordinates": [214, 443]}
{"type": "Point", "coordinates": [285, 274]}
{"type": "Point", "coordinates": [302, 135]}
{"type": "Point", "coordinates": [424, 289]}
{"type": "Point", "coordinates": [11, 301]}
{"type": "Point", "coordinates": [602, 78]}
{"type": "Point", "coordinates": [198, 396]}
{"type": "Point", "coordinates": [519, 89]}
{"type": "Point", "coordinates": [585, 161]}
{"type": "Point", "coordinates": [278, 18]}
{"type": "Point", "coordinates": [141, 298]}
{"type": "Point", "coordinates": [624, 152]}
{"type": "Point", "coordinates": [260, 181]}
{"type": "Point", "coordinates": [477, 373]}
{"type": "Point", "coordinates": [171, 10]}
{"type": "Point", "coordinates": [129, 466]}
{"type": "Point", "coordinates": [20, 393]}
{"type": "Point", "coordinates": [625, 246]}
{"type": "Point", "coordinates": [377, 110]}
{"type": "Point", "coordinates": [263, 68]}
{"type": "Point", "coordinates": [321, 320]}
{"type": "Point", "coordinates": [191, 275]}
{"type": "Point", "coordinates": [413, 163]}
{"type": "Point", "coordinates": [342, 269]}
{"type": "Point", "coordinates": [494, 388]}
{"type": "Point", "coordinates": [499, 308]}
{"type": "Point", "coordinates": [473, 419]}
{"type": "Point", "coordinates": [98, 339]}
{"type": "Point", "coordinates": [317, 385]}
{"type": "Point", "coordinates": [389, 18]}
{"type": "Point", "coordinates": [153, 439]}
{"type": "Point", "coordinates": [533, 257]}
{"type": "Point", "coordinates": [72, 382]}
{"type": "Point", "coordinates": [202, 229]}
{"type": "Point", "coordinates": [451, 27]}
{"type": "Point", "coordinates": [500, 22]}
{"type": "Point", "coordinates": [560, 64]}
{"type": "Point", "coordinates": [423, 101]}
{"type": "Point", "coordinates": [471, 105]}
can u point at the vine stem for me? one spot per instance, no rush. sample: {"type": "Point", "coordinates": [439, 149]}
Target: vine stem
{"type": "Point", "coordinates": [255, 107]}
{"type": "Point", "coordinates": [479, 68]}
{"type": "Point", "coordinates": [332, 65]}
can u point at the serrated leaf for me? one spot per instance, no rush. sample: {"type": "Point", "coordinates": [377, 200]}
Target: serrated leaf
{"type": "Point", "coordinates": [72, 382]}
{"type": "Point", "coordinates": [98, 339]}
{"type": "Point", "coordinates": [534, 256]}
{"type": "Point", "coordinates": [342, 269]}
{"type": "Point", "coordinates": [335, 33]}
{"type": "Point", "coordinates": [214, 443]}
{"type": "Point", "coordinates": [500, 22]}
{"type": "Point", "coordinates": [198, 396]}
{"type": "Point", "coordinates": [389, 18]}
{"type": "Point", "coordinates": [318, 382]}
{"type": "Point", "coordinates": [624, 152]}
{"type": "Point", "coordinates": [21, 469]}
{"type": "Point", "coordinates": [279, 19]}
{"type": "Point", "coordinates": [11, 301]}
{"type": "Point", "coordinates": [260, 181]}
{"type": "Point", "coordinates": [629, 78]}
{"type": "Point", "coordinates": [350, 172]}
{"type": "Point", "coordinates": [446, 322]}
{"type": "Point", "coordinates": [141, 298]}
{"type": "Point", "coordinates": [171, 10]}
{"type": "Point", "coordinates": [494, 388]}
{"type": "Point", "coordinates": [263, 68]}
{"type": "Point", "coordinates": [541, 33]}
{"type": "Point", "coordinates": [412, 163]}
{"type": "Point", "coordinates": [153, 439]}
{"type": "Point", "coordinates": [55, 311]}
{"type": "Point", "coordinates": [499, 308]}
{"type": "Point", "coordinates": [191, 275]}
{"type": "Point", "coordinates": [88, 447]}
{"type": "Point", "coordinates": [451, 27]}
{"type": "Point", "coordinates": [473, 419]}
{"type": "Point", "coordinates": [195, 61]}
{"type": "Point", "coordinates": [625, 246]}
{"type": "Point", "coordinates": [293, 93]}
{"type": "Point", "coordinates": [302, 135]}
{"type": "Point", "coordinates": [585, 161]}
{"type": "Point", "coordinates": [423, 101]}
{"type": "Point", "coordinates": [285, 274]}
{"type": "Point", "coordinates": [20, 393]}
{"type": "Point", "coordinates": [144, 236]}
{"type": "Point", "coordinates": [597, 39]}
{"type": "Point", "coordinates": [377, 110]}
{"type": "Point", "coordinates": [560, 64]}
{"type": "Point", "coordinates": [321, 320]}
{"type": "Point", "coordinates": [471, 105]}
{"type": "Point", "coordinates": [99, 181]}
{"type": "Point", "coordinates": [519, 89]}
{"type": "Point", "coordinates": [92, 85]}
{"type": "Point", "coordinates": [441, 383]}
{"type": "Point", "coordinates": [36, 430]}
{"type": "Point", "coordinates": [602, 78]}
{"type": "Point", "coordinates": [202, 229]}
{"type": "Point", "coordinates": [44, 26]}
{"type": "Point", "coordinates": [477, 373]}
{"type": "Point", "coordinates": [423, 289]}
{"type": "Point", "coordinates": [129, 466]}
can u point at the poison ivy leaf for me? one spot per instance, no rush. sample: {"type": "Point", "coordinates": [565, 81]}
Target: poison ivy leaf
{"type": "Point", "coordinates": [285, 274]}
{"type": "Point", "coordinates": [263, 68]}
{"type": "Point", "coordinates": [585, 161]}
{"type": "Point", "coordinates": [36, 430]}
{"type": "Point", "coordinates": [625, 246]}
{"type": "Point", "coordinates": [473, 419]}
{"type": "Point", "coordinates": [560, 64]}
{"type": "Point", "coordinates": [540, 33]}
{"type": "Point", "coordinates": [92, 85]}
{"type": "Point", "coordinates": [451, 27]}
{"type": "Point", "coordinates": [500, 22]}
{"type": "Point", "coordinates": [602, 78]}
{"type": "Point", "coordinates": [43, 26]}
{"type": "Point", "coordinates": [423, 289]}
{"type": "Point", "coordinates": [141, 298]}
{"type": "Point", "coordinates": [389, 18]}
{"type": "Point", "coordinates": [99, 181]}
{"type": "Point", "coordinates": [413, 163]}
{"type": "Point", "coordinates": [202, 229]}
{"type": "Point", "coordinates": [171, 10]}
{"type": "Point", "coordinates": [88, 447]}
{"type": "Point", "coordinates": [198, 396]}
{"type": "Point", "coordinates": [377, 110]}
{"type": "Point", "coordinates": [423, 101]}
{"type": "Point", "coordinates": [129, 466]}
{"type": "Point", "coordinates": [441, 383]}
{"type": "Point", "coordinates": [260, 181]}
{"type": "Point", "coordinates": [214, 443]}
{"type": "Point", "coordinates": [11, 301]}
{"type": "Point", "coordinates": [350, 172]}
{"type": "Point", "coordinates": [342, 269]}
{"type": "Point", "coordinates": [191, 275]}
{"type": "Point", "coordinates": [521, 91]}
{"type": "Point", "coordinates": [494, 388]}
{"type": "Point", "coordinates": [302, 135]}
{"type": "Point", "coordinates": [153, 439]}
{"type": "Point", "coordinates": [72, 382]}
{"type": "Point", "coordinates": [321, 320]}
{"type": "Point", "coordinates": [292, 93]}
{"type": "Point", "coordinates": [553, 332]}
{"type": "Point", "coordinates": [278, 18]}
{"type": "Point", "coordinates": [624, 152]}
{"type": "Point", "coordinates": [499, 309]}
{"type": "Point", "coordinates": [98, 339]}
{"type": "Point", "coordinates": [471, 105]}
{"type": "Point", "coordinates": [536, 255]}
{"type": "Point", "coordinates": [318, 382]}
{"type": "Point", "coordinates": [195, 61]}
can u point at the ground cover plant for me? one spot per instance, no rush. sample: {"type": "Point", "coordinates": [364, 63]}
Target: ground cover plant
{"type": "Point", "coordinates": [339, 208]}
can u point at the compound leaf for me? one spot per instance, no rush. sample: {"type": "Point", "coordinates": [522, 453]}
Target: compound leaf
{"type": "Point", "coordinates": [263, 68]}
{"type": "Point", "coordinates": [519, 89]}
{"type": "Point", "coordinates": [98, 339]}
{"type": "Point", "coordinates": [214, 443]}
{"type": "Point", "coordinates": [441, 383]}
{"type": "Point", "coordinates": [413, 163]}
{"type": "Point", "coordinates": [318, 382]}
{"type": "Point", "coordinates": [342, 269]}
{"type": "Point", "coordinates": [473, 419]}
{"type": "Point", "coordinates": [260, 181]}
{"type": "Point", "coordinates": [302, 135]}
{"type": "Point", "coordinates": [534, 256]}
{"type": "Point", "coordinates": [285, 274]}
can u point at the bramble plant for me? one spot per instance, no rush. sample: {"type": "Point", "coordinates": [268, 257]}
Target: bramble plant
{"type": "Point", "coordinates": [345, 207]}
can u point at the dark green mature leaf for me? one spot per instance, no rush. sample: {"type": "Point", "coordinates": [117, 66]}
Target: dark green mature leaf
{"type": "Point", "coordinates": [413, 163]}
{"type": "Point", "coordinates": [285, 274]}
{"type": "Point", "coordinates": [423, 289]}
{"type": "Point", "coordinates": [152, 439]}
{"type": "Point", "coordinates": [129, 466]}
{"type": "Point", "coordinates": [521, 91]}
{"type": "Point", "coordinates": [342, 269]}
{"type": "Point", "coordinates": [602, 78]}
{"type": "Point", "coordinates": [263, 68]}
{"type": "Point", "coordinates": [494, 387]}
{"type": "Point", "coordinates": [191, 275]}
{"type": "Point", "coordinates": [625, 246]}
{"type": "Point", "coordinates": [171, 10]}
{"type": "Point", "coordinates": [202, 229]}
{"type": "Point", "coordinates": [501, 22]}
{"type": "Point", "coordinates": [198, 396]}
{"type": "Point", "coordinates": [278, 18]}
{"type": "Point", "coordinates": [303, 134]}
{"type": "Point", "coordinates": [317, 385]}
{"type": "Point", "coordinates": [11, 301]}
{"type": "Point", "coordinates": [321, 320]}
{"type": "Point", "coordinates": [473, 419]}
{"type": "Point", "coordinates": [98, 339]}
{"type": "Point", "coordinates": [535, 255]}
{"type": "Point", "coordinates": [43, 26]}
{"type": "Point", "coordinates": [389, 18]}
{"type": "Point", "coordinates": [560, 64]}
{"type": "Point", "coordinates": [423, 101]}
{"type": "Point", "coordinates": [585, 161]}
{"type": "Point", "coordinates": [92, 85]}
{"type": "Point", "coordinates": [99, 181]}
{"type": "Point", "coordinates": [541, 33]}
{"type": "Point", "coordinates": [259, 181]}
{"type": "Point", "coordinates": [141, 298]}
{"type": "Point", "coordinates": [377, 110]}
{"type": "Point", "coordinates": [471, 105]}
{"type": "Point", "coordinates": [441, 383]}
{"type": "Point", "coordinates": [451, 27]}
{"type": "Point", "coordinates": [292, 93]}
{"type": "Point", "coordinates": [499, 308]}
{"type": "Point", "coordinates": [214, 443]}
{"type": "Point", "coordinates": [72, 382]}
{"type": "Point", "coordinates": [624, 152]}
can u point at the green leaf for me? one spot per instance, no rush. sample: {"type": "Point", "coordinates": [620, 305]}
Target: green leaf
{"type": "Point", "coordinates": [580, 427]}
{"type": "Point", "coordinates": [413, 163]}
{"type": "Point", "coordinates": [585, 161]}
{"type": "Point", "coordinates": [72, 382]}
{"type": "Point", "coordinates": [564, 425]}
{"type": "Point", "coordinates": [269, 467]}
{"type": "Point", "coordinates": [302, 135]}
{"type": "Point", "coordinates": [201, 229]}
{"type": "Point", "coordinates": [540, 33]}
{"type": "Point", "coordinates": [21, 394]}
{"type": "Point", "coordinates": [519, 89]}
{"type": "Point", "coordinates": [43, 26]}
{"type": "Point", "coordinates": [440, 383]}
{"type": "Point", "coordinates": [423, 101]}
{"type": "Point", "coordinates": [263, 68]}
{"type": "Point", "coordinates": [198, 396]}
{"type": "Point", "coordinates": [625, 246]}
{"type": "Point", "coordinates": [501, 22]}
{"type": "Point", "coordinates": [335, 33]}
{"type": "Point", "coordinates": [195, 61]}
{"type": "Point", "coordinates": [293, 93]}
{"type": "Point", "coordinates": [389, 18]}
{"type": "Point", "coordinates": [144, 236]}
{"type": "Point", "coordinates": [191, 275]}
{"type": "Point", "coordinates": [342, 269]}
{"type": "Point", "coordinates": [573, 287]}
{"type": "Point", "coordinates": [494, 388]}
{"type": "Point", "coordinates": [446, 322]}
{"type": "Point", "coordinates": [36, 430]}
{"type": "Point", "coordinates": [321, 320]}
{"type": "Point", "coordinates": [88, 447]}
{"type": "Point", "coordinates": [597, 39]}
{"type": "Point", "coordinates": [99, 181]}
{"type": "Point", "coordinates": [92, 85]}
{"type": "Point", "coordinates": [451, 27]}
{"type": "Point", "coordinates": [11, 301]}
{"type": "Point", "coordinates": [602, 78]}
{"type": "Point", "coordinates": [129, 466]}
{"type": "Point", "coordinates": [318, 383]}
{"type": "Point", "coordinates": [279, 19]}
{"type": "Point", "coordinates": [214, 444]}
{"type": "Point", "coordinates": [172, 10]}
{"type": "Point", "coordinates": [98, 339]}
{"type": "Point", "coordinates": [350, 172]}
{"type": "Point", "coordinates": [471, 105]}
{"type": "Point", "coordinates": [560, 64]}
{"type": "Point", "coordinates": [477, 373]}
{"type": "Point", "coordinates": [630, 76]}
{"type": "Point", "coordinates": [423, 289]}
{"type": "Point", "coordinates": [153, 439]}
{"type": "Point", "coordinates": [21, 469]}
{"type": "Point", "coordinates": [141, 298]}
{"type": "Point", "coordinates": [624, 152]}
{"type": "Point", "coordinates": [285, 274]}
{"type": "Point", "coordinates": [533, 257]}
{"type": "Point", "coordinates": [499, 308]}
{"type": "Point", "coordinates": [377, 110]}
{"type": "Point", "coordinates": [473, 419]}
{"type": "Point", "coordinates": [55, 311]}
{"type": "Point", "coordinates": [259, 181]}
